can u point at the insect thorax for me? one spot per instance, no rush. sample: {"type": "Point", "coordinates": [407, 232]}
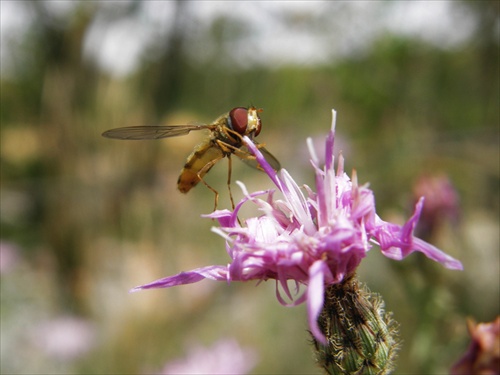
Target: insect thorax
{"type": "Point", "coordinates": [225, 134]}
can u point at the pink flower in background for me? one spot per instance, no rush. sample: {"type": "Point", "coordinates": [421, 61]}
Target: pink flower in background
{"type": "Point", "coordinates": [225, 357]}
{"type": "Point", "coordinates": [483, 354]}
{"type": "Point", "coordinates": [9, 256]}
{"type": "Point", "coordinates": [314, 239]}
{"type": "Point", "coordinates": [441, 203]}
{"type": "Point", "coordinates": [65, 337]}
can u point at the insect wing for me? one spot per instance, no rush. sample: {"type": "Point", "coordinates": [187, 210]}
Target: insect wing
{"type": "Point", "coordinates": [153, 132]}
{"type": "Point", "coordinates": [247, 158]}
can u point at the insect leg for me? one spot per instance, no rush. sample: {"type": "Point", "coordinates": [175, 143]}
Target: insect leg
{"type": "Point", "coordinates": [203, 171]}
{"type": "Point", "coordinates": [229, 170]}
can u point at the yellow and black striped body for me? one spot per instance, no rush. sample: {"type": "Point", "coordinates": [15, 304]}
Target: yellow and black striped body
{"type": "Point", "coordinates": [221, 144]}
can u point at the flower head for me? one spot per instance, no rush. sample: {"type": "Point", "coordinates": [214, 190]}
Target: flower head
{"type": "Point", "coordinates": [314, 239]}
{"type": "Point", "coordinates": [441, 203]}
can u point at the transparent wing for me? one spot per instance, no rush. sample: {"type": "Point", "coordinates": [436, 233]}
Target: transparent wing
{"type": "Point", "coordinates": [246, 157]}
{"type": "Point", "coordinates": [153, 132]}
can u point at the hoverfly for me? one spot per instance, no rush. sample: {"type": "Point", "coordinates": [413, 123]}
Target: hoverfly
{"type": "Point", "coordinates": [224, 140]}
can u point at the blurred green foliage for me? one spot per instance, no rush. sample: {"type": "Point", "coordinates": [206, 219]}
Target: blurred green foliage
{"type": "Point", "coordinates": [94, 217]}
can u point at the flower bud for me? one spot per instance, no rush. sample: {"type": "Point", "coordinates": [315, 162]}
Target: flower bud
{"type": "Point", "coordinates": [361, 336]}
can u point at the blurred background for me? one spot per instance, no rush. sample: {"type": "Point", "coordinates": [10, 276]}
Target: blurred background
{"type": "Point", "coordinates": [84, 218]}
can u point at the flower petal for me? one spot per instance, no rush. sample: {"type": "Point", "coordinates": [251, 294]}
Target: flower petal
{"type": "Point", "coordinates": [262, 160]}
{"type": "Point", "coordinates": [315, 298]}
{"type": "Point", "coordinates": [189, 277]}
{"type": "Point", "coordinates": [329, 143]}
{"type": "Point", "coordinates": [437, 255]}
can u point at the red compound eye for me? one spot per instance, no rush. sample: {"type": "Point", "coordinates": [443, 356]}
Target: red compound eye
{"type": "Point", "coordinates": [238, 120]}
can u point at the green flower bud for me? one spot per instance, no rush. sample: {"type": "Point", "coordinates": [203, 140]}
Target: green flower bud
{"type": "Point", "coordinates": [362, 337]}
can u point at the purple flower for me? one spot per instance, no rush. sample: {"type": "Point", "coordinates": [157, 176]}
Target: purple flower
{"type": "Point", "coordinates": [441, 203]}
{"type": "Point", "coordinates": [312, 239]}
{"type": "Point", "coordinates": [226, 356]}
{"type": "Point", "coordinates": [65, 338]}
{"type": "Point", "coordinates": [483, 354]}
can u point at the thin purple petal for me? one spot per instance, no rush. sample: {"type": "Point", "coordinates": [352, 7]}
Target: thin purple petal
{"type": "Point", "coordinates": [315, 298]}
{"type": "Point", "coordinates": [224, 217]}
{"type": "Point", "coordinates": [262, 160]}
{"type": "Point", "coordinates": [329, 143]}
{"type": "Point", "coordinates": [437, 255]}
{"type": "Point", "coordinates": [189, 277]}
